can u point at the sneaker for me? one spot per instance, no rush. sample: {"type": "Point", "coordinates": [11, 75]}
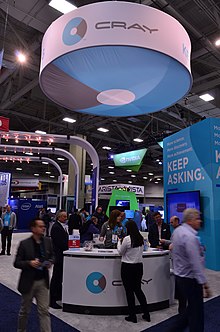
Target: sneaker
{"type": "Point", "coordinates": [132, 319]}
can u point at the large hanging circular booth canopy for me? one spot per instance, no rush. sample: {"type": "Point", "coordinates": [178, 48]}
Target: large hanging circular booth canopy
{"type": "Point", "coordinates": [115, 59]}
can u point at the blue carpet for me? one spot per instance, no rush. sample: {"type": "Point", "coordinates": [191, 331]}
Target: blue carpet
{"type": "Point", "coordinates": [212, 318]}
{"type": "Point", "coordinates": [9, 308]}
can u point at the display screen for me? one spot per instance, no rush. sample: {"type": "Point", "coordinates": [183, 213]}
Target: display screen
{"type": "Point", "coordinates": [129, 214]}
{"type": "Point", "coordinates": [123, 203]}
{"type": "Point", "coordinates": [177, 202]}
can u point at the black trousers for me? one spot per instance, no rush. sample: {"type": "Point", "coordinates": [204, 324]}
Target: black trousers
{"type": "Point", "coordinates": [56, 283]}
{"type": "Point", "coordinates": [193, 316]}
{"type": "Point", "coordinates": [6, 235]}
{"type": "Point", "coordinates": [131, 275]}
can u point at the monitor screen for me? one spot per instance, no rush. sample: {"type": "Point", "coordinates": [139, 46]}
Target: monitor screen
{"type": "Point", "coordinates": [129, 214]}
{"type": "Point", "coordinates": [176, 203]}
{"type": "Point", "coordinates": [123, 203]}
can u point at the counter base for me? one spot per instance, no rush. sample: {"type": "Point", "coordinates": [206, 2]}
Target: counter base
{"type": "Point", "coordinates": [88, 310]}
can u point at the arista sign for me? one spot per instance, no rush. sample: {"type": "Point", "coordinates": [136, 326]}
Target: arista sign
{"type": "Point", "coordinates": [107, 189]}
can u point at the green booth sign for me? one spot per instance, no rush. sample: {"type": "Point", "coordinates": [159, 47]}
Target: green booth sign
{"type": "Point", "coordinates": [132, 159]}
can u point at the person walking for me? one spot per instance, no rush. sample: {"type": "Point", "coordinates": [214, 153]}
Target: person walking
{"type": "Point", "coordinates": [34, 257]}
{"type": "Point", "coordinates": [189, 272]}
{"type": "Point", "coordinates": [59, 235]}
{"type": "Point", "coordinates": [131, 249]}
{"type": "Point", "coordinates": [8, 222]}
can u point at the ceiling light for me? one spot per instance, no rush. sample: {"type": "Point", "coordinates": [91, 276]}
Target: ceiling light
{"type": "Point", "coordinates": [114, 180]}
{"type": "Point", "coordinates": [145, 177]}
{"type": "Point", "coordinates": [91, 164]}
{"type": "Point", "coordinates": [133, 176]}
{"type": "Point", "coordinates": [156, 182]}
{"type": "Point", "coordinates": [139, 140]}
{"type": "Point", "coordinates": [106, 147]}
{"type": "Point", "coordinates": [18, 169]}
{"type": "Point", "coordinates": [20, 56]}
{"type": "Point", "coordinates": [52, 176]}
{"type": "Point", "coordinates": [104, 130]}
{"type": "Point", "coordinates": [150, 173]}
{"type": "Point", "coordinates": [158, 179]}
{"type": "Point", "coordinates": [111, 172]}
{"type": "Point", "coordinates": [128, 170]}
{"type": "Point", "coordinates": [206, 97]}
{"type": "Point", "coordinates": [36, 174]}
{"type": "Point", "coordinates": [40, 132]}
{"type": "Point", "coordinates": [160, 163]}
{"type": "Point", "coordinates": [102, 179]}
{"type": "Point", "coordinates": [48, 172]}
{"type": "Point", "coordinates": [45, 162]}
{"type": "Point", "coordinates": [29, 153]}
{"type": "Point", "coordinates": [129, 181]}
{"type": "Point", "coordinates": [157, 159]}
{"type": "Point", "coordinates": [61, 159]}
{"type": "Point", "coordinates": [69, 120]}
{"type": "Point", "coordinates": [111, 167]}
{"type": "Point", "coordinates": [62, 6]}
{"type": "Point", "coordinates": [217, 42]}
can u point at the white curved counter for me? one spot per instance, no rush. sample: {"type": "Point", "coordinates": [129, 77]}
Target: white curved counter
{"type": "Point", "coordinates": [92, 281]}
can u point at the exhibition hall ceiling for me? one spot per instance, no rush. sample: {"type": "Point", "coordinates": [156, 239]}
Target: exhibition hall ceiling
{"type": "Point", "coordinates": [22, 100]}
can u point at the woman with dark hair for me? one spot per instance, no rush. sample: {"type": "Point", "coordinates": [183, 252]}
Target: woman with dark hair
{"type": "Point", "coordinates": [99, 215]}
{"type": "Point", "coordinates": [131, 250]}
{"type": "Point", "coordinates": [108, 230]}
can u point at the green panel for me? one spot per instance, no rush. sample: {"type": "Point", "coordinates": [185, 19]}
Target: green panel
{"type": "Point", "coordinates": [122, 195]}
{"type": "Point", "coordinates": [131, 158]}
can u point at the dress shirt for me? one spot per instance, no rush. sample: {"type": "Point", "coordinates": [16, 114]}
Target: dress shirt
{"type": "Point", "coordinates": [186, 254]}
{"type": "Point", "coordinates": [159, 231]}
{"type": "Point", "coordinates": [129, 254]}
{"type": "Point", "coordinates": [64, 225]}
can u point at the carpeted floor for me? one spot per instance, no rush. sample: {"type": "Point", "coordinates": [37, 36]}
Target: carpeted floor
{"type": "Point", "coordinates": [9, 308]}
{"type": "Point", "coordinates": [212, 318]}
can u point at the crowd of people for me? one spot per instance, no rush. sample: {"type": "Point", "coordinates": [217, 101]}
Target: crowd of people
{"type": "Point", "coordinates": [36, 255]}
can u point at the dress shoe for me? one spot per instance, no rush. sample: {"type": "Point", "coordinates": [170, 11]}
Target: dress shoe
{"type": "Point", "coordinates": [55, 306]}
{"type": "Point", "coordinates": [2, 253]}
{"type": "Point", "coordinates": [9, 254]}
{"type": "Point", "coordinates": [132, 319]}
{"type": "Point", "coordinates": [146, 317]}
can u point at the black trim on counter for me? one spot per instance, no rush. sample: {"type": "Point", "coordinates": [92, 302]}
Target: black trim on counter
{"type": "Point", "coordinates": [88, 310]}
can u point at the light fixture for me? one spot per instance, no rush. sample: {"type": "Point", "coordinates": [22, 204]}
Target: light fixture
{"type": "Point", "coordinates": [40, 132]}
{"type": "Point", "coordinates": [62, 6]}
{"type": "Point", "coordinates": [106, 148]}
{"type": "Point", "coordinates": [150, 173]}
{"type": "Point", "coordinates": [145, 177]}
{"type": "Point", "coordinates": [103, 130]}
{"type": "Point", "coordinates": [18, 169]}
{"type": "Point", "coordinates": [157, 159]}
{"type": "Point", "coordinates": [217, 42]}
{"type": "Point", "coordinates": [36, 174]}
{"type": "Point", "coordinates": [114, 180]}
{"type": "Point", "coordinates": [133, 176]}
{"type": "Point", "coordinates": [48, 172]}
{"type": "Point", "coordinates": [21, 57]}
{"type": "Point", "coordinates": [206, 97]}
{"type": "Point", "coordinates": [111, 167]}
{"type": "Point", "coordinates": [45, 162]}
{"type": "Point", "coordinates": [70, 120]}
{"type": "Point", "coordinates": [52, 176]}
{"type": "Point", "coordinates": [102, 179]}
{"type": "Point", "coordinates": [160, 163]}
{"type": "Point", "coordinates": [111, 172]}
{"type": "Point", "coordinates": [158, 179]}
{"type": "Point", "coordinates": [29, 153]}
{"type": "Point", "coordinates": [91, 164]}
{"type": "Point", "coordinates": [156, 182]}
{"type": "Point", "coordinates": [61, 159]}
{"type": "Point", "coordinates": [129, 181]}
{"type": "Point", "coordinates": [139, 140]}
{"type": "Point", "coordinates": [128, 170]}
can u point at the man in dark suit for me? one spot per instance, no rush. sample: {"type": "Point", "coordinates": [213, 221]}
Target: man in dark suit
{"type": "Point", "coordinates": [34, 257]}
{"type": "Point", "coordinates": [159, 230]}
{"type": "Point", "coordinates": [59, 235]}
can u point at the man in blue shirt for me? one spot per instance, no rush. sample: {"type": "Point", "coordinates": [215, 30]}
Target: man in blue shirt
{"type": "Point", "coordinates": [8, 224]}
{"type": "Point", "coordinates": [189, 272]}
